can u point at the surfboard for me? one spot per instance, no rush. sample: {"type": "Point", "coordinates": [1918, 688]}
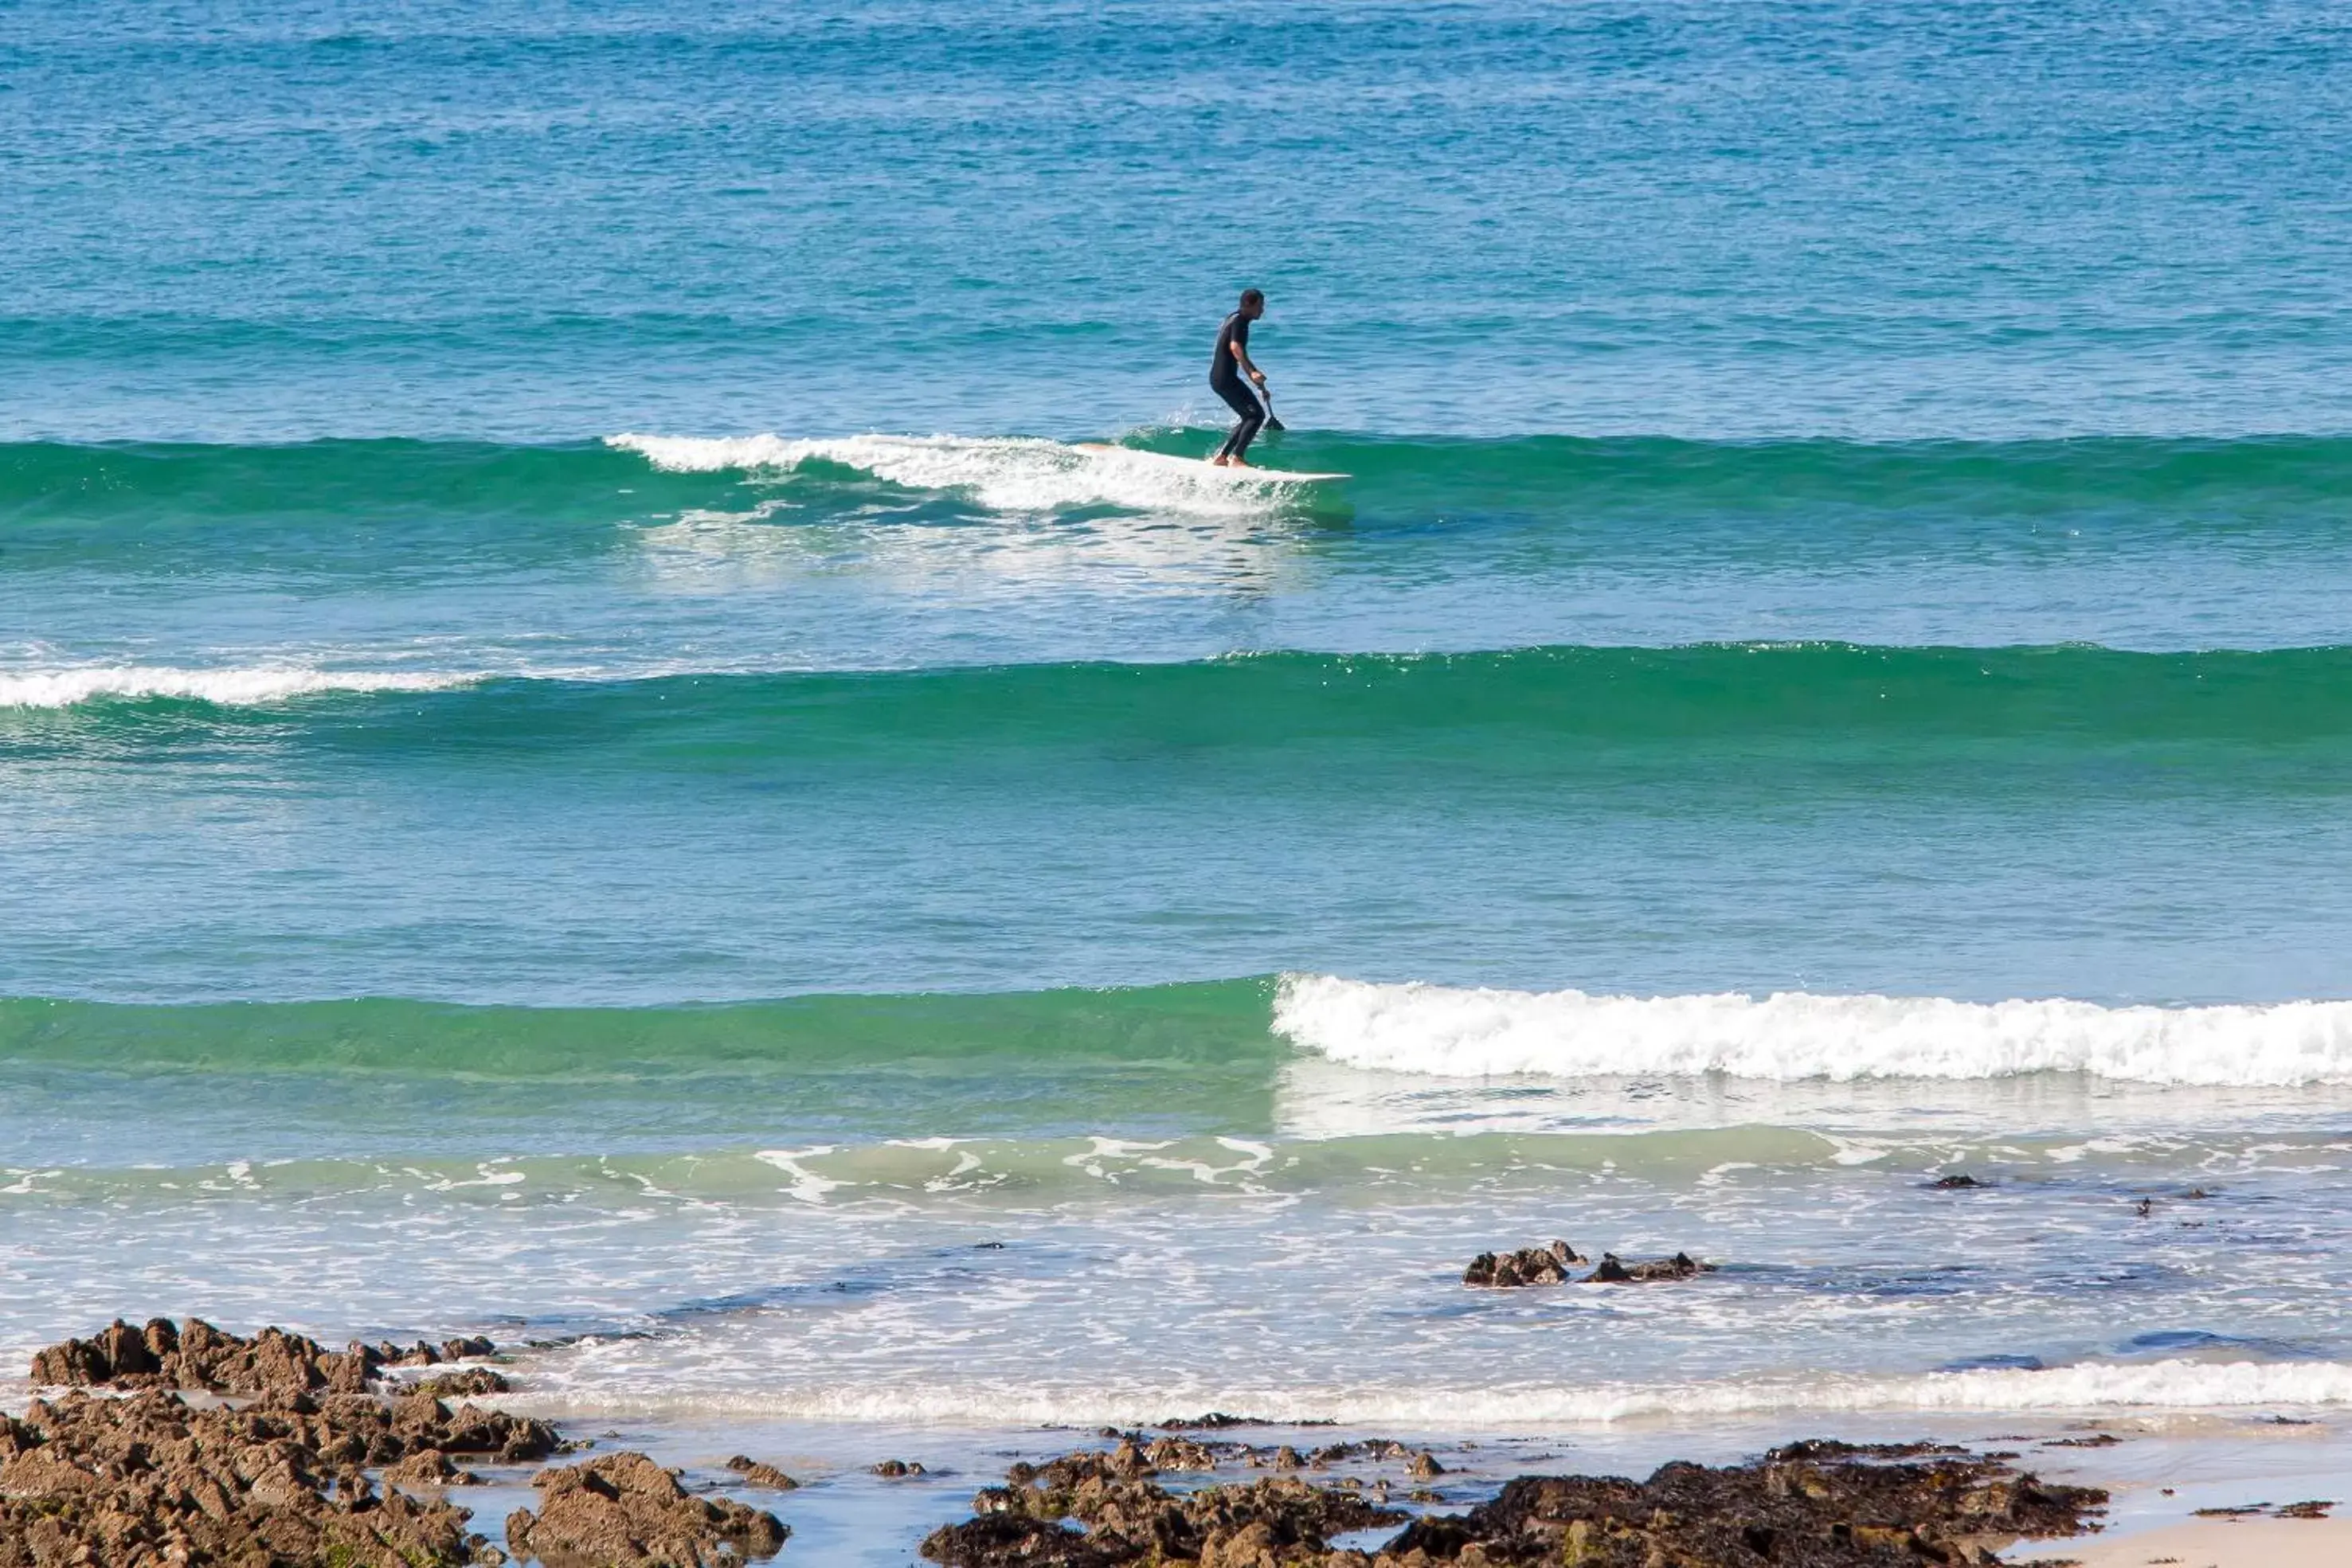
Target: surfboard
{"type": "Point", "coordinates": [1202, 468]}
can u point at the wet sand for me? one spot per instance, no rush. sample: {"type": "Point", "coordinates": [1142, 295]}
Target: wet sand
{"type": "Point", "coordinates": [2212, 1543]}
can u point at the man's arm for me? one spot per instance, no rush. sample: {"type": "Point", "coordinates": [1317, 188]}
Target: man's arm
{"type": "Point", "coordinates": [1242, 355]}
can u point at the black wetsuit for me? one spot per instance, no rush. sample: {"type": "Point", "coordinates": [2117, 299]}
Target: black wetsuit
{"type": "Point", "coordinates": [1225, 380]}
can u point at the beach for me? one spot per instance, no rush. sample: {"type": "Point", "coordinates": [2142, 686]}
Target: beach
{"type": "Point", "coordinates": [594, 757]}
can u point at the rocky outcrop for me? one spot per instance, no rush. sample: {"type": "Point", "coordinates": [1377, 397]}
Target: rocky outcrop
{"type": "Point", "coordinates": [197, 1355]}
{"type": "Point", "coordinates": [623, 1510]}
{"type": "Point", "coordinates": [458, 1385]}
{"type": "Point", "coordinates": [1551, 1266]}
{"type": "Point", "coordinates": [428, 1469]}
{"type": "Point", "coordinates": [1127, 1519]}
{"type": "Point", "coordinates": [164, 1355]}
{"type": "Point", "coordinates": [149, 1478]}
{"type": "Point", "coordinates": [1817, 1505]}
{"type": "Point", "coordinates": [421, 1421]}
{"type": "Point", "coordinates": [1808, 1506]}
{"type": "Point", "coordinates": [424, 1355]}
{"type": "Point", "coordinates": [1613, 1271]}
{"type": "Point", "coordinates": [756, 1474]}
{"type": "Point", "coordinates": [1528, 1266]}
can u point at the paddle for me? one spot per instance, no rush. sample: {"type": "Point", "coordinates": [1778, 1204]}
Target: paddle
{"type": "Point", "coordinates": [1267, 392]}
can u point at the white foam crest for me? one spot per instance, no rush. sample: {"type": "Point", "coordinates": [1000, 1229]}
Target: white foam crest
{"type": "Point", "coordinates": [2166, 1386]}
{"type": "Point", "coordinates": [1794, 1035]}
{"type": "Point", "coordinates": [245, 687]}
{"type": "Point", "coordinates": [1006, 474]}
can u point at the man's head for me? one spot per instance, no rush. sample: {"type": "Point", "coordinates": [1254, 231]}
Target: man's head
{"type": "Point", "coordinates": [1253, 304]}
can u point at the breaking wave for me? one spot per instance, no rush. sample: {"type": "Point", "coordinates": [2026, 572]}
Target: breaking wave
{"type": "Point", "coordinates": [245, 687]}
{"type": "Point", "coordinates": [1468, 1033]}
{"type": "Point", "coordinates": [1006, 474]}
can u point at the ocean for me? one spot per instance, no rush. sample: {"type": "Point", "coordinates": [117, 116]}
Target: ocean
{"type": "Point", "coordinates": [583, 758]}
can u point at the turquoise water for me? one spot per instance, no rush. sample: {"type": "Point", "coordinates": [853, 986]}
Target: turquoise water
{"type": "Point", "coordinates": [581, 753]}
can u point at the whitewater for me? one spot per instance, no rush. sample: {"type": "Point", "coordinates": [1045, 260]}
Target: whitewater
{"type": "Point", "coordinates": [1457, 1032]}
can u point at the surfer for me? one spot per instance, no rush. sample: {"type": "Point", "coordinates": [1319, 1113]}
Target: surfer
{"type": "Point", "coordinates": [1225, 372]}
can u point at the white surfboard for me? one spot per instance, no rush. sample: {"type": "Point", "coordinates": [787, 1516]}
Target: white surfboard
{"type": "Point", "coordinates": [1203, 468]}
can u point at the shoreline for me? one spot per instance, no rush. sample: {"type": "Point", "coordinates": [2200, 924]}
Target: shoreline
{"type": "Point", "coordinates": [853, 1492]}
{"type": "Point", "coordinates": [2204, 1543]}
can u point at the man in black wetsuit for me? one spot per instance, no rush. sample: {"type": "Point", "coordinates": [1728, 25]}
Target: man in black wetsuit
{"type": "Point", "coordinates": [1225, 372]}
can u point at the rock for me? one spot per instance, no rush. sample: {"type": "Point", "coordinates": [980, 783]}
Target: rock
{"type": "Point", "coordinates": [623, 1510]}
{"type": "Point", "coordinates": [458, 1385]}
{"type": "Point", "coordinates": [1179, 1453]}
{"type": "Point", "coordinates": [428, 1467]}
{"type": "Point", "coordinates": [419, 1420]}
{"type": "Point", "coordinates": [1004, 1538]}
{"type": "Point", "coordinates": [1128, 1519]}
{"type": "Point", "coordinates": [756, 1474]}
{"type": "Point", "coordinates": [1812, 1505]}
{"type": "Point", "coordinates": [1797, 1507]}
{"type": "Point", "coordinates": [197, 1355]}
{"type": "Point", "coordinates": [1425, 1466]}
{"type": "Point", "coordinates": [1957, 1182]}
{"type": "Point", "coordinates": [1528, 1266]}
{"type": "Point", "coordinates": [1613, 1271]}
{"type": "Point", "coordinates": [150, 1479]}
{"type": "Point", "coordinates": [894, 1469]}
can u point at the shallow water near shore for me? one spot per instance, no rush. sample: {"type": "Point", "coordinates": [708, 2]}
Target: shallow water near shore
{"type": "Point", "coordinates": [584, 757]}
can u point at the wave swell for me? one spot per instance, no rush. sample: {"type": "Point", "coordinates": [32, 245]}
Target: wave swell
{"type": "Point", "coordinates": [1253, 1026]}
{"type": "Point", "coordinates": [1529, 709]}
{"type": "Point", "coordinates": [2287, 482]}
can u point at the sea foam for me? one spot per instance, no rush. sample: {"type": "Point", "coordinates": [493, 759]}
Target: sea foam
{"type": "Point", "coordinates": [597, 1386]}
{"type": "Point", "coordinates": [1006, 473]}
{"type": "Point", "coordinates": [1793, 1035]}
{"type": "Point", "coordinates": [233, 687]}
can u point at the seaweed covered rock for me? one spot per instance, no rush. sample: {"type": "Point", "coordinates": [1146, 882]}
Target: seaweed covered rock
{"type": "Point", "coordinates": [149, 1478]}
{"type": "Point", "coordinates": [1808, 1506]}
{"type": "Point", "coordinates": [1815, 1505]}
{"type": "Point", "coordinates": [1550, 1265]}
{"type": "Point", "coordinates": [1528, 1266]}
{"type": "Point", "coordinates": [1127, 1518]}
{"type": "Point", "coordinates": [459, 1384]}
{"type": "Point", "coordinates": [624, 1510]}
{"type": "Point", "coordinates": [1613, 1271]}
{"type": "Point", "coordinates": [1007, 1538]}
{"type": "Point", "coordinates": [422, 1353]}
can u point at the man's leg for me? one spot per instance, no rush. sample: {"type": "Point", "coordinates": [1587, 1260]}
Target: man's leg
{"type": "Point", "coordinates": [1244, 402]}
